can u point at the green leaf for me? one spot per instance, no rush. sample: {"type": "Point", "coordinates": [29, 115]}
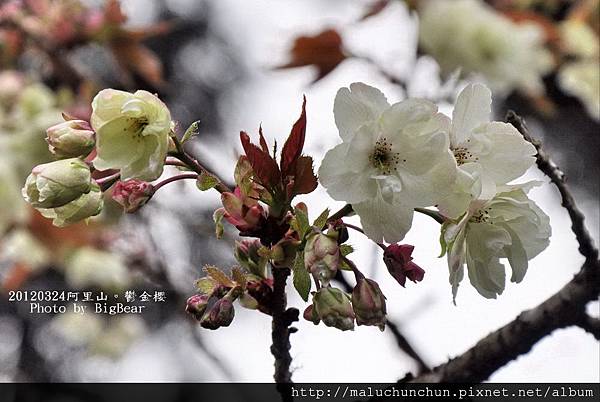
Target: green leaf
{"type": "Point", "coordinates": [302, 281]}
{"type": "Point", "coordinates": [219, 276]}
{"type": "Point", "coordinates": [346, 249]}
{"type": "Point", "coordinates": [191, 132]}
{"type": "Point", "coordinates": [344, 266]}
{"type": "Point", "coordinates": [248, 301]}
{"type": "Point", "coordinates": [301, 222]}
{"type": "Point", "coordinates": [206, 285]}
{"type": "Point", "coordinates": [206, 181]}
{"type": "Point", "coordinates": [218, 218]}
{"type": "Point", "coordinates": [321, 219]}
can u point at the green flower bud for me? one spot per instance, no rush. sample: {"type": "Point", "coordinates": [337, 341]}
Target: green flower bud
{"type": "Point", "coordinates": [322, 256]}
{"type": "Point", "coordinates": [55, 184]}
{"type": "Point", "coordinates": [334, 308]}
{"type": "Point", "coordinates": [71, 138]}
{"type": "Point", "coordinates": [369, 303]}
{"type": "Point", "coordinates": [86, 206]}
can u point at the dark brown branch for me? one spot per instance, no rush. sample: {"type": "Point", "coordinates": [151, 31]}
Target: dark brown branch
{"type": "Point", "coordinates": [589, 324]}
{"type": "Point", "coordinates": [280, 332]}
{"type": "Point", "coordinates": [561, 310]}
{"type": "Point", "coordinates": [587, 247]}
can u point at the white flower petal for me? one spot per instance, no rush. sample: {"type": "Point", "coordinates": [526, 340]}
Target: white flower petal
{"type": "Point", "coordinates": [356, 106]}
{"type": "Point", "coordinates": [473, 108]}
{"type": "Point", "coordinates": [502, 151]}
{"type": "Point", "coordinates": [384, 221]}
{"type": "Point", "coordinates": [341, 180]}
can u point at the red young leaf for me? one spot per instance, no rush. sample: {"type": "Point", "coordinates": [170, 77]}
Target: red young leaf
{"type": "Point", "coordinates": [305, 180]}
{"type": "Point", "coordinates": [323, 51]}
{"type": "Point", "coordinates": [264, 166]}
{"type": "Point", "coordinates": [292, 149]}
{"type": "Point", "coordinates": [263, 142]}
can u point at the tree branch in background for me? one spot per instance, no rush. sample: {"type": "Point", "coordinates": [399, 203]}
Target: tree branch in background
{"type": "Point", "coordinates": [565, 308]}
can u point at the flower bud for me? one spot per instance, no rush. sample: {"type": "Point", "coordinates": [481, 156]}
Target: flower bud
{"type": "Point", "coordinates": [196, 305]}
{"type": "Point", "coordinates": [245, 213]}
{"type": "Point", "coordinates": [220, 314]}
{"type": "Point", "coordinates": [55, 184]}
{"type": "Point", "coordinates": [322, 256]}
{"type": "Point", "coordinates": [369, 303]}
{"type": "Point", "coordinates": [310, 314]}
{"type": "Point", "coordinates": [71, 138]}
{"type": "Point", "coordinates": [397, 258]}
{"type": "Point", "coordinates": [86, 206]}
{"type": "Point", "coordinates": [246, 253]}
{"type": "Point", "coordinates": [334, 308]}
{"type": "Point", "coordinates": [132, 194]}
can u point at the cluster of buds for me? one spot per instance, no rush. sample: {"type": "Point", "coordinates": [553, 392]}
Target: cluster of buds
{"type": "Point", "coordinates": [213, 306]}
{"type": "Point", "coordinates": [337, 309]}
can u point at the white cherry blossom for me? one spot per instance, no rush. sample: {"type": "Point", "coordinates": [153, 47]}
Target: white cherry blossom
{"type": "Point", "coordinates": [392, 159]}
{"type": "Point", "coordinates": [510, 226]}
{"type": "Point", "coordinates": [487, 153]}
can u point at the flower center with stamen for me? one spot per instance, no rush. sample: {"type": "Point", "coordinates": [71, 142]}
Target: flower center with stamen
{"type": "Point", "coordinates": [481, 216]}
{"type": "Point", "coordinates": [382, 157]}
{"type": "Point", "coordinates": [463, 155]}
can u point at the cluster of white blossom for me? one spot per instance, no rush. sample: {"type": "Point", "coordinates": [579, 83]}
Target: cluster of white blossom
{"type": "Point", "coordinates": [471, 36]}
{"type": "Point", "coordinates": [395, 158]}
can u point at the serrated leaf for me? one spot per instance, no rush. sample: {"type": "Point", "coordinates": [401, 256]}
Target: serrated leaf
{"type": "Point", "coordinates": [239, 276]}
{"type": "Point", "coordinates": [302, 224]}
{"type": "Point", "coordinates": [218, 218]}
{"type": "Point", "coordinates": [206, 285]}
{"type": "Point", "coordinates": [219, 276]}
{"type": "Point", "coordinates": [302, 281]}
{"type": "Point", "coordinates": [346, 249]}
{"type": "Point", "coordinates": [191, 132]}
{"type": "Point", "coordinates": [206, 181]}
{"type": "Point", "coordinates": [321, 219]}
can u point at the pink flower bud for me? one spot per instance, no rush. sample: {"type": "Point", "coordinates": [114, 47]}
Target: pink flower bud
{"type": "Point", "coordinates": [245, 213]}
{"type": "Point", "coordinates": [132, 194]}
{"type": "Point", "coordinates": [368, 303]}
{"type": "Point", "coordinates": [220, 314]}
{"type": "Point", "coordinates": [397, 258]}
{"type": "Point", "coordinates": [196, 305]}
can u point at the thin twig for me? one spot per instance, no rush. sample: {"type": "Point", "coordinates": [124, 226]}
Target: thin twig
{"type": "Point", "coordinates": [171, 179]}
{"type": "Point", "coordinates": [561, 310]}
{"type": "Point", "coordinates": [196, 166]}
